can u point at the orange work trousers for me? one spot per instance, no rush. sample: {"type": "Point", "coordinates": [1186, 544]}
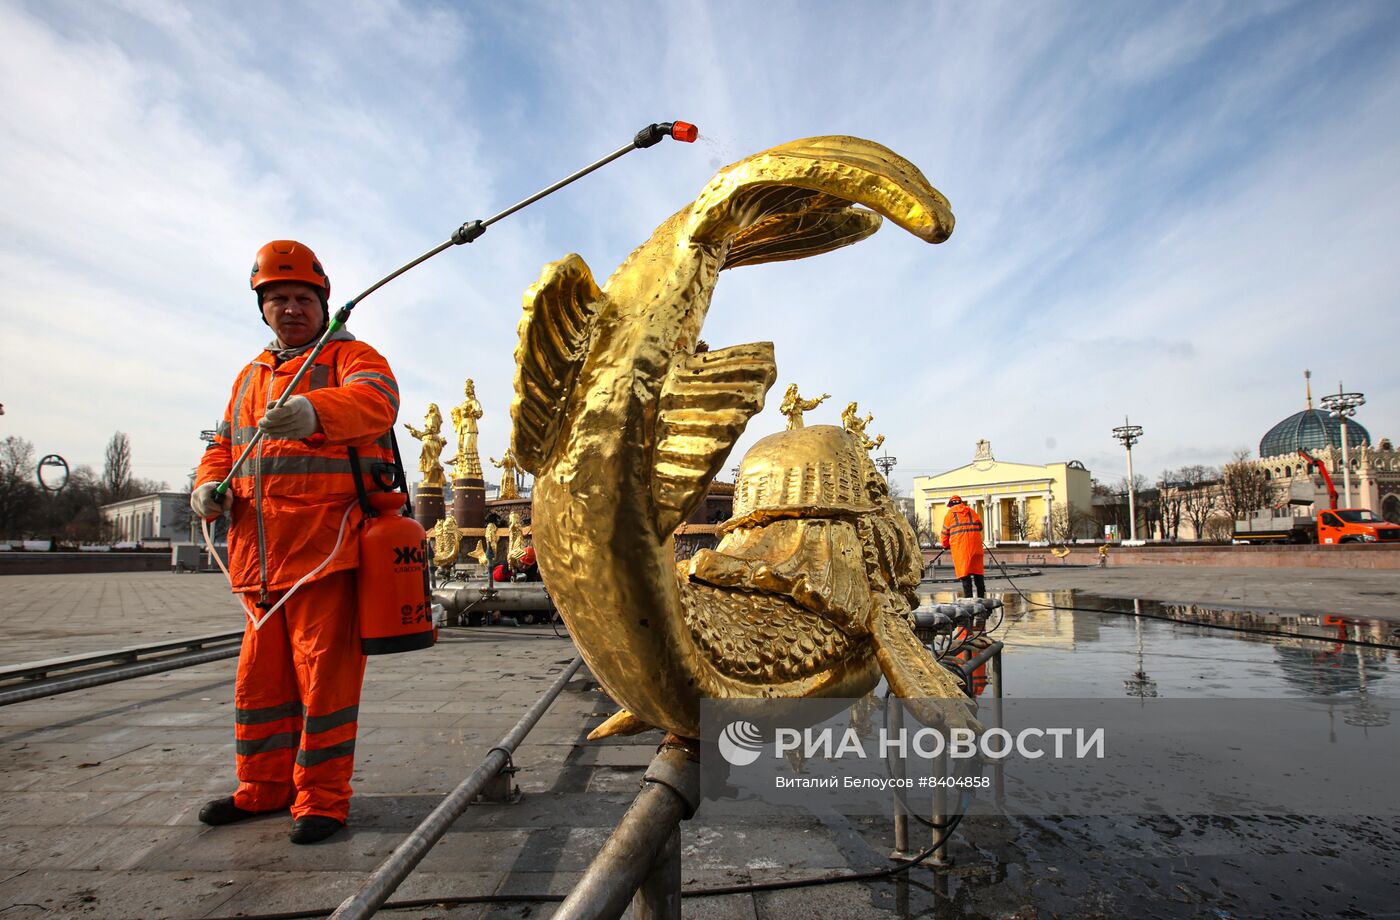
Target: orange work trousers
{"type": "Point", "coordinates": [297, 702]}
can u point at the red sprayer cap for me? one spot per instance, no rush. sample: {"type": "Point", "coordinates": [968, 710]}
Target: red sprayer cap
{"type": "Point", "coordinates": [383, 502]}
{"type": "Point", "coordinates": [684, 132]}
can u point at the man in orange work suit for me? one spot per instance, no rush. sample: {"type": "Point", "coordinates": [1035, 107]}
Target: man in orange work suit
{"type": "Point", "coordinates": [962, 533]}
{"type": "Point", "coordinates": [297, 693]}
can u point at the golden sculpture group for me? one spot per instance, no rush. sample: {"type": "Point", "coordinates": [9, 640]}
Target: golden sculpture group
{"type": "Point", "coordinates": [445, 533]}
{"type": "Point", "coordinates": [624, 421]}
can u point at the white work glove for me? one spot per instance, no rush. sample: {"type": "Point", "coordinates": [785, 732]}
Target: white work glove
{"type": "Point", "coordinates": [294, 421]}
{"type": "Point", "coordinates": [204, 504]}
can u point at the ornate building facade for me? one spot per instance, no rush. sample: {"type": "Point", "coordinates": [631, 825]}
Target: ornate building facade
{"type": "Point", "coordinates": [1374, 473]}
{"type": "Point", "coordinates": [1017, 501]}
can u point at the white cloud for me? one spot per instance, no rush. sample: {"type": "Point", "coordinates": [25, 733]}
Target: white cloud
{"type": "Point", "coordinates": [1167, 214]}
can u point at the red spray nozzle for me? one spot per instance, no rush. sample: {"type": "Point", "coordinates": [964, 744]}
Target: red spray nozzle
{"type": "Point", "coordinates": [682, 131]}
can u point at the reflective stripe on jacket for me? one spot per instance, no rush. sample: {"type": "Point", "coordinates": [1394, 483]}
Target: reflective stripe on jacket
{"type": "Point", "coordinates": [290, 496]}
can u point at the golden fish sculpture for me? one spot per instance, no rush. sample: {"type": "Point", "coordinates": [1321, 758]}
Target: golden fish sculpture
{"type": "Point", "coordinates": [624, 422]}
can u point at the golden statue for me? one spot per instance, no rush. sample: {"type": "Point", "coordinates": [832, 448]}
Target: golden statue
{"type": "Point", "coordinates": [488, 546]}
{"type": "Point", "coordinates": [852, 422]}
{"type": "Point", "coordinates": [516, 547]}
{"type": "Point", "coordinates": [431, 436]}
{"type": "Point", "coordinates": [507, 466]}
{"type": "Point", "coordinates": [794, 405]}
{"type": "Point", "coordinates": [467, 463]}
{"type": "Point", "coordinates": [624, 425]}
{"type": "Point", "coordinates": [447, 542]}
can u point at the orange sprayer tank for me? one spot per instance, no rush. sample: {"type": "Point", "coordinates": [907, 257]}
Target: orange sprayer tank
{"type": "Point", "coordinates": [396, 605]}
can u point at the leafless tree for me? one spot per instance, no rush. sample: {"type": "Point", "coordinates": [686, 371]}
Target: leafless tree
{"type": "Point", "coordinates": [1146, 503]}
{"type": "Point", "coordinates": [116, 473]}
{"type": "Point", "coordinates": [19, 493]}
{"type": "Point", "coordinates": [1244, 488]}
{"type": "Point", "coordinates": [1110, 506]}
{"type": "Point", "coordinates": [1019, 523]}
{"type": "Point", "coordinates": [1220, 528]}
{"type": "Point", "coordinates": [74, 515]}
{"type": "Point", "coordinates": [1170, 501]}
{"type": "Point", "coordinates": [1199, 499]}
{"type": "Point", "coordinates": [1060, 526]}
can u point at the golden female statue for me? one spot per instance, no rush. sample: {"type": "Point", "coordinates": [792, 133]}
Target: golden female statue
{"type": "Point", "coordinates": [464, 418]}
{"type": "Point", "coordinates": [794, 405]}
{"type": "Point", "coordinates": [507, 466]}
{"type": "Point", "coordinates": [852, 422]}
{"type": "Point", "coordinates": [431, 436]}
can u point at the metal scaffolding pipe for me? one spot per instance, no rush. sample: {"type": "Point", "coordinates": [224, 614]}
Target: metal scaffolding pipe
{"type": "Point", "coordinates": [643, 854]}
{"type": "Point", "coordinates": [112, 675]}
{"type": "Point", "coordinates": [981, 658]}
{"type": "Point", "coordinates": [659, 896]}
{"type": "Point", "coordinates": [390, 874]}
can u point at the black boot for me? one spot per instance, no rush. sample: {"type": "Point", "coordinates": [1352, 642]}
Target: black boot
{"type": "Point", "coordinates": [314, 828]}
{"type": "Point", "coordinates": [223, 811]}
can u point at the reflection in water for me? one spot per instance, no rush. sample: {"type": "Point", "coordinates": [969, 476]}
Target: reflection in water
{"type": "Point", "coordinates": [1178, 865]}
{"type": "Point", "coordinates": [1139, 685]}
{"type": "Point", "coordinates": [1056, 648]}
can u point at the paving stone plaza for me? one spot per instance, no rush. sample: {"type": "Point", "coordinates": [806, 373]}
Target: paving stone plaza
{"type": "Point", "coordinates": [99, 789]}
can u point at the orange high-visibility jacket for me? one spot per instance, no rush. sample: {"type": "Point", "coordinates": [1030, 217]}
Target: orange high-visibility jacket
{"type": "Point", "coordinates": [290, 496]}
{"type": "Point", "coordinates": [962, 533]}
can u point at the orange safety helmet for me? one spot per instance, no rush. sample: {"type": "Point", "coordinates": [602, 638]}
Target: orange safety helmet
{"type": "Point", "coordinates": [288, 260]}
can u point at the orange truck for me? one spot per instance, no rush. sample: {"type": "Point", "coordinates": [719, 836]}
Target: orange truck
{"type": "Point", "coordinates": [1331, 527]}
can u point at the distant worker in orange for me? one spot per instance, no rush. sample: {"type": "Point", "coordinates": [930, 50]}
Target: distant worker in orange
{"type": "Point", "coordinates": [962, 533]}
{"type": "Point", "coordinates": [297, 693]}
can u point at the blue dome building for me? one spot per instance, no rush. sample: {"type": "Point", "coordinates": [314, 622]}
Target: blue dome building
{"type": "Point", "coordinates": [1373, 468]}
{"type": "Point", "coordinates": [1312, 429]}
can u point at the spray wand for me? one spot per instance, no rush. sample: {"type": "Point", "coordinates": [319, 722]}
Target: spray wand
{"type": "Point", "coordinates": [469, 231]}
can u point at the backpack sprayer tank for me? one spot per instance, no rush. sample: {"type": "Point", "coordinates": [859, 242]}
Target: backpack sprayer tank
{"type": "Point", "coordinates": [396, 604]}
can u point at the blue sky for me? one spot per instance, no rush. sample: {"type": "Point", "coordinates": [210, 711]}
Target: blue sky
{"type": "Point", "coordinates": [1165, 211]}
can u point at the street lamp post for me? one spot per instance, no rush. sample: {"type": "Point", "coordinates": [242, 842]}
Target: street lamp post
{"type": "Point", "coordinates": [1343, 406]}
{"type": "Point", "coordinates": [1129, 435]}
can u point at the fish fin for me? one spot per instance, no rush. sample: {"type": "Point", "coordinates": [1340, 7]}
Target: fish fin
{"type": "Point", "coordinates": [621, 722]}
{"type": "Point", "coordinates": [932, 694]}
{"type": "Point", "coordinates": [797, 224]}
{"type": "Point", "coordinates": [555, 331]}
{"type": "Point", "coordinates": [811, 196]}
{"type": "Point", "coordinates": [707, 400]}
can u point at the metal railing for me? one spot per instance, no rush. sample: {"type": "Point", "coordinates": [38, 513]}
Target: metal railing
{"type": "Point", "coordinates": [37, 679]}
{"type": "Point", "coordinates": [641, 862]}
{"type": "Point", "coordinates": [990, 655]}
{"type": "Point", "coordinates": [376, 889]}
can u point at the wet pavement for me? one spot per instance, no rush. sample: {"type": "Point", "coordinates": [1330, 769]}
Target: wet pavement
{"type": "Point", "coordinates": [1371, 593]}
{"type": "Point", "coordinates": [98, 789]}
{"type": "Point", "coordinates": [1059, 646]}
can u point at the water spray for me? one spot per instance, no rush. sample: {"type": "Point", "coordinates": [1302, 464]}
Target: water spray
{"type": "Point", "coordinates": [649, 136]}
